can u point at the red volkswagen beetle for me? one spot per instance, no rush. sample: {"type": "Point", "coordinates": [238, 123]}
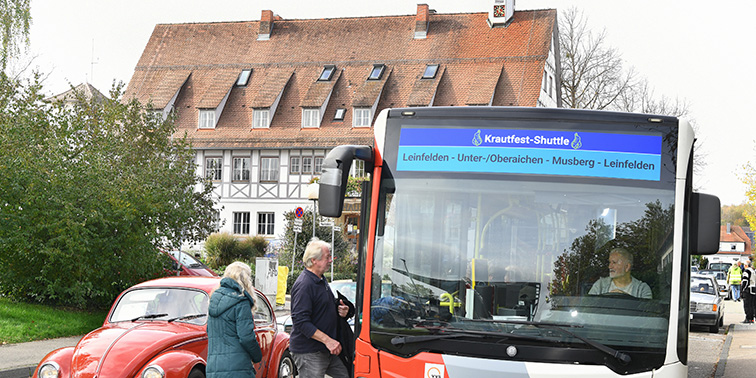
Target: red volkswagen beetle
{"type": "Point", "coordinates": [158, 329]}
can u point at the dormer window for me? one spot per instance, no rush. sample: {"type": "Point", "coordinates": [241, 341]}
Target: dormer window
{"type": "Point", "coordinates": [327, 73]}
{"type": "Point", "coordinates": [340, 113]}
{"type": "Point", "coordinates": [377, 72]}
{"type": "Point", "coordinates": [430, 71]}
{"type": "Point", "coordinates": [207, 118]}
{"type": "Point", "coordinates": [243, 79]}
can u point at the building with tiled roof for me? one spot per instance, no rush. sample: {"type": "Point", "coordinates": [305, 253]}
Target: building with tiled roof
{"type": "Point", "coordinates": [264, 101]}
{"type": "Point", "coordinates": [70, 97]}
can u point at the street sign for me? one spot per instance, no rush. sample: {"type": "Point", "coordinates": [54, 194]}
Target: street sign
{"type": "Point", "coordinates": [297, 229]}
{"type": "Point", "coordinates": [298, 222]}
{"type": "Point", "coordinates": [326, 223]}
{"type": "Point", "coordinates": [299, 212]}
{"type": "Point", "coordinates": [337, 228]}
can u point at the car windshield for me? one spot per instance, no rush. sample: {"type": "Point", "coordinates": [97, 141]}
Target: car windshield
{"type": "Point", "coordinates": [347, 288]}
{"type": "Point", "coordinates": [702, 285]}
{"type": "Point", "coordinates": [176, 304]}
{"type": "Point", "coordinates": [186, 259]}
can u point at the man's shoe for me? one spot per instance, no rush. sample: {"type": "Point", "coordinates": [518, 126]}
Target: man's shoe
{"type": "Point", "coordinates": [746, 321]}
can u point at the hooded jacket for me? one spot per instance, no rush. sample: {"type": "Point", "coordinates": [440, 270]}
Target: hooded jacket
{"type": "Point", "coordinates": [232, 346]}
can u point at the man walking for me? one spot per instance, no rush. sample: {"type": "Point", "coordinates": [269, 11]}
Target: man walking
{"type": "Point", "coordinates": [748, 291]}
{"type": "Point", "coordinates": [315, 314]}
{"type": "Point", "coordinates": [734, 275]}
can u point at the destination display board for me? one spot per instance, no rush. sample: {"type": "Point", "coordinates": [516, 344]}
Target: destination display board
{"type": "Point", "coordinates": [539, 152]}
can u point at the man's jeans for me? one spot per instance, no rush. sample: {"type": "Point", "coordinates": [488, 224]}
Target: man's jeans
{"type": "Point", "coordinates": [735, 291]}
{"type": "Point", "coordinates": [318, 364]}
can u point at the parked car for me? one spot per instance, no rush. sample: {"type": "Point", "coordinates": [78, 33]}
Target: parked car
{"type": "Point", "coordinates": [721, 277]}
{"type": "Point", "coordinates": [158, 329]}
{"type": "Point", "coordinates": [693, 269]}
{"type": "Point", "coordinates": [184, 264]}
{"type": "Point", "coordinates": [706, 305]}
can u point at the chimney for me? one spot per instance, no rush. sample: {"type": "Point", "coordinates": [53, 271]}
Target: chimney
{"type": "Point", "coordinates": [421, 21]}
{"type": "Point", "coordinates": [266, 25]}
{"type": "Point", "coordinates": [501, 13]}
{"type": "Point", "coordinates": [729, 228]}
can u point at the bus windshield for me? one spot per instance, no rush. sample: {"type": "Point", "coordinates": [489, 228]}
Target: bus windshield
{"type": "Point", "coordinates": [502, 259]}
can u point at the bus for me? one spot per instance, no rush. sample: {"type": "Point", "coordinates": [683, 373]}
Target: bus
{"type": "Point", "coordinates": [492, 224]}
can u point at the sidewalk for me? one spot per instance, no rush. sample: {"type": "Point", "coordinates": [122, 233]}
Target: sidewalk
{"type": "Point", "coordinates": [738, 358]}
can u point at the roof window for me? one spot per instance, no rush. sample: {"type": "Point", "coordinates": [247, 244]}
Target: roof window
{"type": "Point", "coordinates": [340, 112]}
{"type": "Point", "coordinates": [243, 79]}
{"type": "Point", "coordinates": [327, 73]}
{"type": "Point", "coordinates": [377, 72]}
{"type": "Point", "coordinates": [430, 71]}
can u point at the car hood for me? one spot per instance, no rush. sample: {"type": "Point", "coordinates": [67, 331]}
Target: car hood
{"type": "Point", "coordinates": [121, 349]}
{"type": "Point", "coordinates": [703, 298]}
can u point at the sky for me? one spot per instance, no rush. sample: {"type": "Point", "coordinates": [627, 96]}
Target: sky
{"type": "Point", "coordinates": [696, 51]}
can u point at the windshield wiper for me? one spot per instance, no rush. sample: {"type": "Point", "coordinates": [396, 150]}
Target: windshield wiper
{"type": "Point", "coordinates": [401, 340]}
{"type": "Point", "coordinates": [150, 316]}
{"type": "Point", "coordinates": [187, 317]}
{"type": "Point", "coordinates": [622, 357]}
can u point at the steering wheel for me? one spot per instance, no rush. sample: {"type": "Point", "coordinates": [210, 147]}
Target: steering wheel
{"type": "Point", "coordinates": [615, 294]}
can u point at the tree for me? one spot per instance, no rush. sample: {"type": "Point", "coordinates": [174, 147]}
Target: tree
{"type": "Point", "coordinates": [736, 214]}
{"type": "Point", "coordinates": [592, 73]}
{"type": "Point", "coordinates": [15, 21]}
{"type": "Point", "coordinates": [594, 77]}
{"type": "Point", "coordinates": [748, 177]}
{"type": "Point", "coordinates": [344, 261]}
{"type": "Point", "coordinates": [87, 195]}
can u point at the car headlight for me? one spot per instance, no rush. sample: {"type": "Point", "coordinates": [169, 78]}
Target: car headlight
{"type": "Point", "coordinates": [153, 371]}
{"type": "Point", "coordinates": [49, 370]}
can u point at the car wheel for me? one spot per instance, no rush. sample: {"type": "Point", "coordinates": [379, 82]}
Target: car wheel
{"type": "Point", "coordinates": [286, 368]}
{"type": "Point", "coordinates": [721, 321]}
{"type": "Point", "coordinates": [196, 373]}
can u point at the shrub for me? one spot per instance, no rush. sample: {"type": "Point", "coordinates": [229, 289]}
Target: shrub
{"type": "Point", "coordinates": [251, 247]}
{"type": "Point", "coordinates": [220, 249]}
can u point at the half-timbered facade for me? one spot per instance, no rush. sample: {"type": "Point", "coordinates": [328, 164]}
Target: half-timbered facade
{"type": "Point", "coordinates": [264, 101]}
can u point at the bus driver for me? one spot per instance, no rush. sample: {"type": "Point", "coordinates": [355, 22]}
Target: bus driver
{"type": "Point", "coordinates": [620, 280]}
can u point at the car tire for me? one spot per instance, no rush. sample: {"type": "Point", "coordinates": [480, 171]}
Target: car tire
{"type": "Point", "coordinates": [714, 328]}
{"type": "Point", "coordinates": [286, 367]}
{"type": "Point", "coordinates": [721, 321]}
{"type": "Point", "coordinates": [196, 373]}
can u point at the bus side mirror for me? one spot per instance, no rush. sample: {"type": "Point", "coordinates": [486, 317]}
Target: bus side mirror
{"type": "Point", "coordinates": [704, 224]}
{"type": "Point", "coordinates": [333, 181]}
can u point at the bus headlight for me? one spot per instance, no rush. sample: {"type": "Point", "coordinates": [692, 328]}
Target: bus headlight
{"type": "Point", "coordinates": [153, 371]}
{"type": "Point", "coordinates": [49, 370]}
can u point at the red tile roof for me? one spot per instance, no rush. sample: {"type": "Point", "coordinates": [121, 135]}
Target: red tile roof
{"type": "Point", "coordinates": [478, 65]}
{"type": "Point", "coordinates": [736, 235]}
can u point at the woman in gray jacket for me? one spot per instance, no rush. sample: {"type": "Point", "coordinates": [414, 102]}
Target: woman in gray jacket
{"type": "Point", "coordinates": [232, 346]}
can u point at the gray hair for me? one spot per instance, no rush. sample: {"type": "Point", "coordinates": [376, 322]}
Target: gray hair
{"type": "Point", "coordinates": [625, 254]}
{"type": "Point", "coordinates": [314, 250]}
{"type": "Point", "coordinates": [242, 274]}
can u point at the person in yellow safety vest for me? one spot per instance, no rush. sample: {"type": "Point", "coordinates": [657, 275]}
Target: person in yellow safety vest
{"type": "Point", "coordinates": [733, 278]}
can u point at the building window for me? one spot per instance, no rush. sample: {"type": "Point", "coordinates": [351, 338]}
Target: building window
{"type": "Point", "coordinates": [214, 168]}
{"type": "Point", "coordinates": [207, 118]}
{"type": "Point", "coordinates": [318, 168]}
{"type": "Point", "coordinates": [306, 164]}
{"type": "Point", "coordinates": [261, 118]}
{"type": "Point", "coordinates": [361, 117]}
{"type": "Point", "coordinates": [241, 223]}
{"type": "Point", "coordinates": [545, 88]}
{"type": "Point", "coordinates": [269, 169]}
{"type": "Point", "coordinates": [358, 168]}
{"type": "Point", "coordinates": [295, 166]}
{"type": "Point", "coordinates": [430, 71]}
{"type": "Point", "coordinates": [241, 169]}
{"type": "Point", "coordinates": [311, 117]}
{"type": "Point", "coordinates": [327, 73]}
{"type": "Point", "coordinates": [266, 223]}
{"type": "Point", "coordinates": [340, 113]}
{"type": "Point", "coordinates": [551, 86]}
{"type": "Point", "coordinates": [376, 72]}
{"type": "Point", "coordinates": [243, 79]}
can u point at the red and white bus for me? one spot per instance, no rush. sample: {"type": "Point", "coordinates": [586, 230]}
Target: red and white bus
{"type": "Point", "coordinates": [491, 226]}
